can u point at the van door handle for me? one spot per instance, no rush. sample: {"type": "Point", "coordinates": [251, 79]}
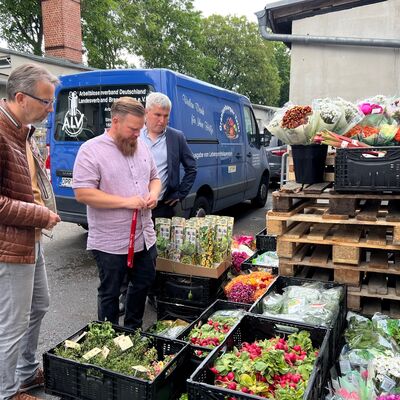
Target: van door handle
{"type": "Point", "coordinates": [249, 154]}
{"type": "Point", "coordinates": [238, 155]}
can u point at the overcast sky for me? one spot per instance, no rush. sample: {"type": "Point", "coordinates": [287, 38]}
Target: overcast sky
{"type": "Point", "coordinates": [236, 7]}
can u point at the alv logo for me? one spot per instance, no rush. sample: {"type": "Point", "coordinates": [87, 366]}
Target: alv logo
{"type": "Point", "coordinates": [73, 120]}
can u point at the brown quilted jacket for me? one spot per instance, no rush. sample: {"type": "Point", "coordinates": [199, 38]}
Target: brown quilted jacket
{"type": "Point", "coordinates": [18, 214]}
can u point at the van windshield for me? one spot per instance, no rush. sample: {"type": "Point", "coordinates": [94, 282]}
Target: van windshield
{"type": "Point", "coordinates": [84, 112]}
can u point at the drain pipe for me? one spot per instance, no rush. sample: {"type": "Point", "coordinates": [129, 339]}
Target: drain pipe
{"type": "Point", "coordinates": [308, 39]}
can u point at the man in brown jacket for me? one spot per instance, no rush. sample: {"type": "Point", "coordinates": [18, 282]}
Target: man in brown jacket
{"type": "Point", "coordinates": [26, 206]}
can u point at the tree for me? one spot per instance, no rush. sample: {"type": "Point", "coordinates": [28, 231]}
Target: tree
{"type": "Point", "coordinates": [282, 56]}
{"type": "Point", "coordinates": [168, 35]}
{"type": "Point", "coordinates": [21, 25]}
{"type": "Point", "coordinates": [105, 32]}
{"type": "Point", "coordinates": [240, 59]}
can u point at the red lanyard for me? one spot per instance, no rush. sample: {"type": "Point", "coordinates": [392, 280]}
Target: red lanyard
{"type": "Point", "coordinates": [131, 246]}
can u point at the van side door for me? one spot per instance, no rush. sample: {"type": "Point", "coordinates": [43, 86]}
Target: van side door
{"type": "Point", "coordinates": [253, 153]}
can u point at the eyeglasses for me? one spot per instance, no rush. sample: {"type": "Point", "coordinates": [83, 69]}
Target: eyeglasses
{"type": "Point", "coordinates": [45, 102]}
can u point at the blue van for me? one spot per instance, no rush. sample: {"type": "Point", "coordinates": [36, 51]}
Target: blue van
{"type": "Point", "coordinates": [219, 125]}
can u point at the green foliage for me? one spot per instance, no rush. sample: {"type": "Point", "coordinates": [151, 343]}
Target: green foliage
{"type": "Point", "coordinates": [282, 57]}
{"type": "Point", "coordinates": [240, 59]}
{"type": "Point", "coordinates": [105, 32]}
{"type": "Point", "coordinates": [21, 25]}
{"type": "Point", "coordinates": [168, 35]}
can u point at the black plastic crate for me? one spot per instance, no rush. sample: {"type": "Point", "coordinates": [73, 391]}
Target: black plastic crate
{"type": "Point", "coordinates": [191, 290]}
{"type": "Point", "coordinates": [251, 328]}
{"type": "Point", "coordinates": [218, 305]}
{"type": "Point", "coordinates": [338, 324]}
{"type": "Point", "coordinates": [265, 242]}
{"type": "Point", "coordinates": [167, 310]}
{"type": "Point", "coordinates": [73, 380]}
{"type": "Point", "coordinates": [357, 170]}
{"type": "Point", "coordinates": [248, 264]}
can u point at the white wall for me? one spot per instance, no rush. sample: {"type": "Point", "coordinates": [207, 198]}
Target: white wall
{"type": "Point", "coordinates": [347, 71]}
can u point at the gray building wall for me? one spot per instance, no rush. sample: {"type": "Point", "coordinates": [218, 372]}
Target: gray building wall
{"type": "Point", "coordinates": [347, 71]}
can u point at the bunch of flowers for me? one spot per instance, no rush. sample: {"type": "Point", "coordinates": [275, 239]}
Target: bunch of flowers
{"type": "Point", "coordinates": [270, 368]}
{"type": "Point", "coordinates": [389, 397]}
{"type": "Point", "coordinates": [247, 288]}
{"type": "Point", "coordinates": [354, 386]}
{"type": "Point", "coordinates": [293, 125]}
{"type": "Point", "coordinates": [338, 141]}
{"type": "Point", "coordinates": [327, 114]}
{"type": "Point", "coordinates": [243, 247]}
{"type": "Point", "coordinates": [386, 373]}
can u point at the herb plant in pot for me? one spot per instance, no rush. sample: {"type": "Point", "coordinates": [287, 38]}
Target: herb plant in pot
{"type": "Point", "coordinates": [296, 125]}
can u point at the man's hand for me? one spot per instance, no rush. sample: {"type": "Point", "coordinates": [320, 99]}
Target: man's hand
{"type": "Point", "coordinates": [136, 202]}
{"type": "Point", "coordinates": [54, 220]}
{"type": "Point", "coordinates": [151, 200]}
{"type": "Point", "coordinates": [171, 202]}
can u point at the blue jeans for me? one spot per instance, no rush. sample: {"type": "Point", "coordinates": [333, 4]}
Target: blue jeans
{"type": "Point", "coordinates": [112, 271]}
{"type": "Point", "coordinates": [24, 301]}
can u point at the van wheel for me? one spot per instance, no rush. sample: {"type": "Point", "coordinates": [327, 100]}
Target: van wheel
{"type": "Point", "coordinates": [262, 194]}
{"type": "Point", "coordinates": [201, 207]}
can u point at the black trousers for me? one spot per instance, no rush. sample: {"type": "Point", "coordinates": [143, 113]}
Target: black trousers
{"type": "Point", "coordinates": [112, 271]}
{"type": "Point", "coordinates": [162, 211]}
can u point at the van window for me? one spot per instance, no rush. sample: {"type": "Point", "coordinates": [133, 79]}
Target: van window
{"type": "Point", "coordinates": [251, 128]}
{"type": "Point", "coordinates": [83, 113]}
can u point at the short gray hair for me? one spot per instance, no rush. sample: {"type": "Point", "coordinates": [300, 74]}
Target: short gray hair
{"type": "Point", "coordinates": [158, 99]}
{"type": "Point", "coordinates": [25, 77]}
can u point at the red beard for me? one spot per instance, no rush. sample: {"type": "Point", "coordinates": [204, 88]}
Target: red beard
{"type": "Point", "coordinates": [126, 146]}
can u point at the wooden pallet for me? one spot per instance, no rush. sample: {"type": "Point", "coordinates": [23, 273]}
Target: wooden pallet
{"type": "Point", "coordinates": [293, 195]}
{"type": "Point", "coordinates": [329, 174]}
{"type": "Point", "coordinates": [312, 215]}
{"type": "Point", "coordinates": [321, 256]}
{"type": "Point", "coordinates": [342, 244]}
{"type": "Point", "coordinates": [377, 293]}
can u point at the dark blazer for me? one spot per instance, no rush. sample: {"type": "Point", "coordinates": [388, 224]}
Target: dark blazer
{"type": "Point", "coordinates": [178, 152]}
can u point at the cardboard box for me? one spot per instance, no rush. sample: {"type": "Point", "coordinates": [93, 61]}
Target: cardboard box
{"type": "Point", "coordinates": [175, 267]}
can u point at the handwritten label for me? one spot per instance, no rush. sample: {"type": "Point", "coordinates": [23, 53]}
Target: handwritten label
{"type": "Point", "coordinates": [90, 354]}
{"type": "Point", "coordinates": [124, 342]}
{"type": "Point", "coordinates": [69, 344]}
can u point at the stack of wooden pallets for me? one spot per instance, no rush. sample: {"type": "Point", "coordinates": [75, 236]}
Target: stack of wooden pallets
{"type": "Point", "coordinates": [350, 238]}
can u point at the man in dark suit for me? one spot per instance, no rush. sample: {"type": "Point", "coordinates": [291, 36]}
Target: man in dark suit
{"type": "Point", "coordinates": [170, 150]}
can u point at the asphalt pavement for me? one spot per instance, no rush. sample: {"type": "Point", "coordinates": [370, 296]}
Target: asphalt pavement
{"type": "Point", "coordinates": [73, 278]}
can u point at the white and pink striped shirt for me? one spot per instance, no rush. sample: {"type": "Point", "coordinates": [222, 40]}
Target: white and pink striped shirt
{"type": "Point", "coordinates": [100, 165]}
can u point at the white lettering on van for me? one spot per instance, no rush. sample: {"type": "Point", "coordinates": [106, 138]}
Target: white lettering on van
{"type": "Point", "coordinates": [199, 109]}
{"type": "Point", "coordinates": [187, 101]}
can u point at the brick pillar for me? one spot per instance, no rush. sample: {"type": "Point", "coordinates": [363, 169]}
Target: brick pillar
{"type": "Point", "coordinates": [62, 29]}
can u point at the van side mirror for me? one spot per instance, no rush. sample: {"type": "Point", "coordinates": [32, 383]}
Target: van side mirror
{"type": "Point", "coordinates": [267, 137]}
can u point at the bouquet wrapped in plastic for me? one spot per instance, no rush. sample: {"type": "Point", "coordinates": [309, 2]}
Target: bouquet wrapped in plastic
{"type": "Point", "coordinates": [350, 115]}
{"type": "Point", "coordinates": [327, 114]}
{"type": "Point", "coordinates": [293, 125]}
{"type": "Point", "coordinates": [353, 386]}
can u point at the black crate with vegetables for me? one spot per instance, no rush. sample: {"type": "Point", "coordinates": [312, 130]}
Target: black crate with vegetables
{"type": "Point", "coordinates": [265, 358]}
{"type": "Point", "coordinates": [307, 301]}
{"type": "Point", "coordinates": [265, 242]}
{"type": "Point", "coordinates": [104, 361]}
{"type": "Point", "coordinates": [213, 325]}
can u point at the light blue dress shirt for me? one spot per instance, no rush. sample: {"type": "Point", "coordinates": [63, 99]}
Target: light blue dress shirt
{"type": "Point", "coordinates": [158, 149]}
